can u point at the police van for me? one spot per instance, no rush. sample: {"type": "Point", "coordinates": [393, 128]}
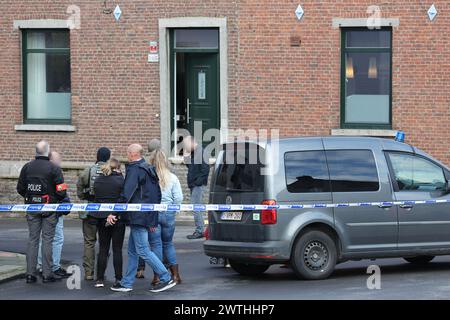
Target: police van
{"type": "Point", "coordinates": [327, 170]}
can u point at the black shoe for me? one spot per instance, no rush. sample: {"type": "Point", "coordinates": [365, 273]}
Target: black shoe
{"type": "Point", "coordinates": [31, 279]}
{"type": "Point", "coordinates": [119, 288]}
{"type": "Point", "coordinates": [52, 278]}
{"type": "Point", "coordinates": [163, 286]}
{"type": "Point", "coordinates": [195, 235]}
{"type": "Point", "coordinates": [62, 273]}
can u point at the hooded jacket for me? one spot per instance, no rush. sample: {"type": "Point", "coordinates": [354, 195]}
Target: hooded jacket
{"type": "Point", "coordinates": [141, 186]}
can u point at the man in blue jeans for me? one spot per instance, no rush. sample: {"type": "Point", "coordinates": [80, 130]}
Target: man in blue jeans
{"type": "Point", "coordinates": [197, 179]}
{"type": "Point", "coordinates": [58, 240]}
{"type": "Point", "coordinates": [141, 186]}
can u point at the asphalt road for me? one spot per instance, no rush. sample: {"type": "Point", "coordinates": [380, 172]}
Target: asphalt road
{"type": "Point", "coordinates": [399, 280]}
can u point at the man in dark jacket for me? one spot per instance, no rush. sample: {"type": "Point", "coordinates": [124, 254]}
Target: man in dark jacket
{"type": "Point", "coordinates": [197, 179]}
{"type": "Point", "coordinates": [85, 191]}
{"type": "Point", "coordinates": [41, 182]}
{"type": "Point", "coordinates": [142, 186]}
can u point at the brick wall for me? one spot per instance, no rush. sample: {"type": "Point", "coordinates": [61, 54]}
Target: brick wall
{"type": "Point", "coordinates": [115, 91]}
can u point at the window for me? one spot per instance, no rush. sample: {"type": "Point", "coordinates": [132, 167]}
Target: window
{"type": "Point", "coordinates": [414, 173]}
{"type": "Point", "coordinates": [366, 80]}
{"type": "Point", "coordinates": [240, 169]}
{"type": "Point", "coordinates": [352, 170]}
{"type": "Point", "coordinates": [197, 38]}
{"type": "Point", "coordinates": [46, 76]}
{"type": "Point", "coordinates": [306, 172]}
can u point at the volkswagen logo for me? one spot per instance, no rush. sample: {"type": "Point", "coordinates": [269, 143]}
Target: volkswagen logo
{"type": "Point", "coordinates": [229, 200]}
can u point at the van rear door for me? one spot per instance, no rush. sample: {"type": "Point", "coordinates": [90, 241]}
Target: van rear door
{"type": "Point", "coordinates": [237, 179]}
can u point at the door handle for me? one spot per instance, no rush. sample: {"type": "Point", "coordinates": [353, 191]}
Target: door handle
{"type": "Point", "coordinates": [385, 206]}
{"type": "Point", "coordinates": [406, 206]}
{"type": "Point", "coordinates": [188, 110]}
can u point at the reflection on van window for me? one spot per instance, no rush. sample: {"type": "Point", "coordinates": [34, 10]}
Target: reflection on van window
{"type": "Point", "coordinates": [352, 170]}
{"type": "Point", "coordinates": [306, 172]}
{"type": "Point", "coordinates": [414, 173]}
{"type": "Point", "coordinates": [240, 169]}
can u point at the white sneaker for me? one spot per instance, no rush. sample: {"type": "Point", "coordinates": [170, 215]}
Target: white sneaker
{"type": "Point", "coordinates": [163, 286]}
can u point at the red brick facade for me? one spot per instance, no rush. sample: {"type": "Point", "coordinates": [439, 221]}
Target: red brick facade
{"type": "Point", "coordinates": [115, 91]}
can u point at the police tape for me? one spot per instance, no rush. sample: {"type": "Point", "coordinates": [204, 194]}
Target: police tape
{"type": "Point", "coordinates": [133, 207]}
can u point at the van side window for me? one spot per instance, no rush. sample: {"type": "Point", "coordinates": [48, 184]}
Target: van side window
{"type": "Point", "coordinates": [414, 173]}
{"type": "Point", "coordinates": [352, 170]}
{"type": "Point", "coordinates": [306, 172]}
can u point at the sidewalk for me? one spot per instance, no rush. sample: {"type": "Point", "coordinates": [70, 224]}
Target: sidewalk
{"type": "Point", "coordinates": [12, 265]}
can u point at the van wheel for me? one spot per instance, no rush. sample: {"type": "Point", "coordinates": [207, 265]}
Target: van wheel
{"type": "Point", "coordinates": [314, 256]}
{"type": "Point", "coordinates": [419, 259]}
{"type": "Point", "coordinates": [248, 269]}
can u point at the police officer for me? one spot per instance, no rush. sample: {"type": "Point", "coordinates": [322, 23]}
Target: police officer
{"type": "Point", "coordinates": [41, 182]}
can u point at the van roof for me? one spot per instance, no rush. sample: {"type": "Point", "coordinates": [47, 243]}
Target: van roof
{"type": "Point", "coordinates": [387, 144]}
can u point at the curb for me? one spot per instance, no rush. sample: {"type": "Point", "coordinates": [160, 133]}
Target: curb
{"type": "Point", "coordinates": [12, 266]}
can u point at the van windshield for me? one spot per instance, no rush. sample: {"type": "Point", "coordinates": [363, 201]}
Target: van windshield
{"type": "Point", "coordinates": [240, 169]}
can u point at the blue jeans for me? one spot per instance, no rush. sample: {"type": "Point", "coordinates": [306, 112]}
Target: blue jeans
{"type": "Point", "coordinates": [138, 246]}
{"type": "Point", "coordinates": [57, 246]}
{"type": "Point", "coordinates": [161, 241]}
{"type": "Point", "coordinates": [197, 198]}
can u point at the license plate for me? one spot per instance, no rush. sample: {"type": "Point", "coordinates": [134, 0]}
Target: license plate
{"type": "Point", "coordinates": [231, 216]}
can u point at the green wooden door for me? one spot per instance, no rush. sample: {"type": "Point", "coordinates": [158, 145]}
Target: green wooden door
{"type": "Point", "coordinates": [202, 91]}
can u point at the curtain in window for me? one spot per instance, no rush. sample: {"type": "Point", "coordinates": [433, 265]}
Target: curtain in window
{"type": "Point", "coordinates": [37, 83]}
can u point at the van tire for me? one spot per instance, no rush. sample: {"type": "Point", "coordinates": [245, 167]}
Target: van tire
{"type": "Point", "coordinates": [419, 260]}
{"type": "Point", "coordinates": [314, 255]}
{"type": "Point", "coordinates": [248, 269]}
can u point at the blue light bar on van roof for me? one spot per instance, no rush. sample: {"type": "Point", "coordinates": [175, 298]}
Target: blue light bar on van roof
{"type": "Point", "coordinates": [400, 136]}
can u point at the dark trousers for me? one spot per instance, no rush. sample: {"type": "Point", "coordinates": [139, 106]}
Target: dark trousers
{"type": "Point", "coordinates": [46, 224]}
{"type": "Point", "coordinates": [90, 238]}
{"type": "Point", "coordinates": [107, 235]}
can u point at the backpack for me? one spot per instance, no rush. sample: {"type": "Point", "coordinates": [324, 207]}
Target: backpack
{"type": "Point", "coordinates": [94, 172]}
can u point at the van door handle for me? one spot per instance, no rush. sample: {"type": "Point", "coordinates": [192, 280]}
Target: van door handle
{"type": "Point", "coordinates": [385, 206]}
{"type": "Point", "coordinates": [188, 110]}
{"type": "Point", "coordinates": [406, 206]}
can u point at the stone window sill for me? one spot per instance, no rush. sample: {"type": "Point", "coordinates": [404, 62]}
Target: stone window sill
{"type": "Point", "coordinates": [45, 127]}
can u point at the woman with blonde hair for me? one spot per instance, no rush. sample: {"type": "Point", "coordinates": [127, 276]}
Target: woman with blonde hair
{"type": "Point", "coordinates": [107, 189]}
{"type": "Point", "coordinates": [161, 238]}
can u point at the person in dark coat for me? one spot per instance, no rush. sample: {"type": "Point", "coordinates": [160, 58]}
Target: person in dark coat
{"type": "Point", "coordinates": [142, 187]}
{"type": "Point", "coordinates": [108, 188]}
{"type": "Point", "coordinates": [197, 179]}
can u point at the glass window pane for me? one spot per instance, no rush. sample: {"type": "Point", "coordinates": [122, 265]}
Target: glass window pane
{"type": "Point", "coordinates": [414, 173]}
{"type": "Point", "coordinates": [241, 169]}
{"type": "Point", "coordinates": [47, 39]}
{"type": "Point", "coordinates": [306, 172]}
{"type": "Point", "coordinates": [197, 38]}
{"type": "Point", "coordinates": [367, 87]}
{"type": "Point", "coordinates": [48, 86]}
{"type": "Point", "coordinates": [352, 171]}
{"type": "Point", "coordinates": [368, 39]}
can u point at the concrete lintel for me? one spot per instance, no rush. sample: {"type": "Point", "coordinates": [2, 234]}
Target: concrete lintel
{"type": "Point", "coordinates": [364, 132]}
{"type": "Point", "coordinates": [363, 22]}
{"type": "Point", "coordinates": [45, 127]}
{"type": "Point", "coordinates": [42, 24]}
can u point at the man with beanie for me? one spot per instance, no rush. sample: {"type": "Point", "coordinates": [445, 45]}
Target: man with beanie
{"type": "Point", "coordinates": [85, 191]}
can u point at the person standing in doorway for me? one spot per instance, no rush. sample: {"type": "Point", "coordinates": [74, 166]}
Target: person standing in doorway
{"type": "Point", "coordinates": [197, 179]}
{"type": "Point", "coordinates": [85, 191]}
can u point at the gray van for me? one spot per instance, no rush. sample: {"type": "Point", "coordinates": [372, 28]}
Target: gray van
{"type": "Point", "coordinates": [327, 170]}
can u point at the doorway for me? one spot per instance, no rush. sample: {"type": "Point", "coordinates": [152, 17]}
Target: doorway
{"type": "Point", "coordinates": [195, 81]}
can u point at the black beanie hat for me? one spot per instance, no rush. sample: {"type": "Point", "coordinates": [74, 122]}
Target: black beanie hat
{"type": "Point", "coordinates": [103, 154]}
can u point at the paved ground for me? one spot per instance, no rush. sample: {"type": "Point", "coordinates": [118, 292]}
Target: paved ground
{"type": "Point", "coordinates": [204, 281]}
